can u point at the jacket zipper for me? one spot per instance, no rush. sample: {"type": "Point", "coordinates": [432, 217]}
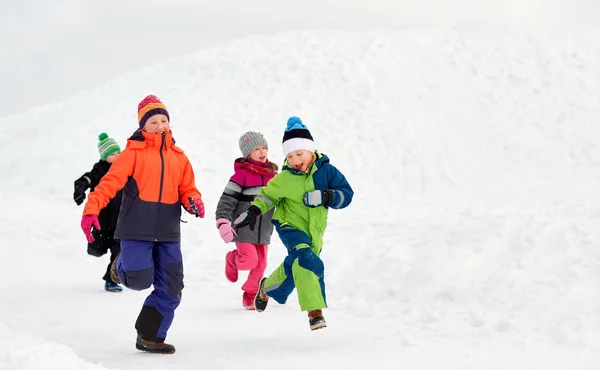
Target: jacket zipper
{"type": "Point", "coordinates": [160, 188]}
{"type": "Point", "coordinates": [309, 210]}
{"type": "Point", "coordinates": [259, 227]}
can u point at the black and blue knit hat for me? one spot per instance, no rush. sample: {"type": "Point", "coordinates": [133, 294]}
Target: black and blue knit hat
{"type": "Point", "coordinates": [297, 137]}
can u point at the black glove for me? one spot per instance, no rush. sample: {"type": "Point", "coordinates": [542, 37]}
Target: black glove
{"type": "Point", "coordinates": [247, 218]}
{"type": "Point", "coordinates": [79, 194]}
{"type": "Point", "coordinates": [317, 198]}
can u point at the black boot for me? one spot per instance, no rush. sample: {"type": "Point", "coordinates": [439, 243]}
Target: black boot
{"type": "Point", "coordinates": [153, 346]}
{"type": "Point", "coordinates": [261, 299]}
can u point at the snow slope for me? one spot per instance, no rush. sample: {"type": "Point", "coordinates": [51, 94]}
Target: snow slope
{"type": "Point", "coordinates": [472, 239]}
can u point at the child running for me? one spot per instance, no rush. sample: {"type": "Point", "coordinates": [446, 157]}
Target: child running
{"type": "Point", "coordinates": [104, 238]}
{"type": "Point", "coordinates": [302, 194]}
{"type": "Point", "coordinates": [252, 171]}
{"type": "Point", "coordinates": [158, 180]}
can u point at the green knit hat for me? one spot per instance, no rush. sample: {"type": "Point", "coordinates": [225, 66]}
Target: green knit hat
{"type": "Point", "coordinates": [107, 146]}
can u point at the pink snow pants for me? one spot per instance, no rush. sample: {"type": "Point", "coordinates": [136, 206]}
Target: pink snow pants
{"type": "Point", "coordinates": [251, 257]}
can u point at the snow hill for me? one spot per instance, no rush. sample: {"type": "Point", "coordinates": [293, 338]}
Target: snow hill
{"type": "Point", "coordinates": [472, 242]}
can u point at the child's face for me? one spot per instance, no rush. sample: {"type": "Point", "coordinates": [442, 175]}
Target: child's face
{"type": "Point", "coordinates": [111, 158]}
{"type": "Point", "coordinates": [300, 160]}
{"type": "Point", "coordinates": [259, 154]}
{"type": "Point", "coordinates": [157, 124]}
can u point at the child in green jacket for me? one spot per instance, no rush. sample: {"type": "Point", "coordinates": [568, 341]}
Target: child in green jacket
{"type": "Point", "coordinates": [302, 194]}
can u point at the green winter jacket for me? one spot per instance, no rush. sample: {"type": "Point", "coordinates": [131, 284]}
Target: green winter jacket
{"type": "Point", "coordinates": [286, 190]}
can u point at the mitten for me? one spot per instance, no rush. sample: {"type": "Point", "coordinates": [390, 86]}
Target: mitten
{"type": "Point", "coordinates": [200, 206]}
{"type": "Point", "coordinates": [247, 218]}
{"type": "Point", "coordinates": [79, 193]}
{"type": "Point", "coordinates": [197, 207]}
{"type": "Point", "coordinates": [87, 222]}
{"type": "Point", "coordinates": [317, 198]}
{"type": "Point", "coordinates": [225, 230]}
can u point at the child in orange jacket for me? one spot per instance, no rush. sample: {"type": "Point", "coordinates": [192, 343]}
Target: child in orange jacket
{"type": "Point", "coordinates": [157, 179]}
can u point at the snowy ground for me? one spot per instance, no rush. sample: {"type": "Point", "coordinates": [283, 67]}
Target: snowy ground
{"type": "Point", "coordinates": [473, 240]}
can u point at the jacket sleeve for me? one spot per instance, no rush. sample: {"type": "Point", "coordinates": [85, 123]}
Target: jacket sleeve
{"type": "Point", "coordinates": [342, 191]}
{"type": "Point", "coordinates": [91, 179]}
{"type": "Point", "coordinates": [187, 188]}
{"type": "Point", "coordinates": [229, 200]}
{"type": "Point", "coordinates": [270, 195]}
{"type": "Point", "coordinates": [111, 183]}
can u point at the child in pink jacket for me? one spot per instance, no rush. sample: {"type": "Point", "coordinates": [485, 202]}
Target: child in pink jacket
{"type": "Point", "coordinates": [252, 172]}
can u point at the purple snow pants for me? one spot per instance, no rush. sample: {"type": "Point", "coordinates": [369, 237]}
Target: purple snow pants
{"type": "Point", "coordinates": [142, 264]}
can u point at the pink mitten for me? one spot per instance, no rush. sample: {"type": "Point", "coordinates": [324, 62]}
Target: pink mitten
{"type": "Point", "coordinates": [195, 207]}
{"type": "Point", "coordinates": [225, 230]}
{"type": "Point", "coordinates": [87, 222]}
{"type": "Point", "coordinates": [200, 206]}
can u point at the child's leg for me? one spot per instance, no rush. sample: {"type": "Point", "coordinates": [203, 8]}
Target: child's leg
{"type": "Point", "coordinates": [246, 256]}
{"type": "Point", "coordinates": [135, 265]}
{"type": "Point", "coordinates": [308, 272]}
{"type": "Point", "coordinates": [280, 284]}
{"type": "Point", "coordinates": [159, 308]}
{"type": "Point", "coordinates": [115, 247]}
{"type": "Point", "coordinates": [251, 284]}
{"type": "Point", "coordinates": [302, 268]}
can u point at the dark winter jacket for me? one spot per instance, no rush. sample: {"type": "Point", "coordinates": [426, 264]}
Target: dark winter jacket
{"type": "Point", "coordinates": [241, 189]}
{"type": "Point", "coordinates": [108, 215]}
{"type": "Point", "coordinates": [157, 180]}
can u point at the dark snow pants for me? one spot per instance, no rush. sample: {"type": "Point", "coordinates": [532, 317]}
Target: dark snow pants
{"type": "Point", "coordinates": [142, 264]}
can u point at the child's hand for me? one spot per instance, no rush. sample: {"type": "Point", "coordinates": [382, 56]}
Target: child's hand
{"type": "Point", "coordinates": [200, 206]}
{"type": "Point", "coordinates": [79, 194]}
{"type": "Point", "coordinates": [87, 222]}
{"type": "Point", "coordinates": [197, 207]}
{"type": "Point", "coordinates": [317, 198]}
{"type": "Point", "coordinates": [225, 230]}
{"type": "Point", "coordinates": [247, 218]}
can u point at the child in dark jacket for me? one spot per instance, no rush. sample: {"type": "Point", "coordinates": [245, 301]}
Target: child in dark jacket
{"type": "Point", "coordinates": [104, 239]}
{"type": "Point", "coordinates": [252, 171]}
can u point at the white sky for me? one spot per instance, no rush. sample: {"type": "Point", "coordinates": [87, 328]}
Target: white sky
{"type": "Point", "coordinates": [56, 48]}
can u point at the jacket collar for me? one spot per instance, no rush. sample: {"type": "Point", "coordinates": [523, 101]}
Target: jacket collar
{"type": "Point", "coordinates": [318, 160]}
{"type": "Point", "coordinates": [151, 140]}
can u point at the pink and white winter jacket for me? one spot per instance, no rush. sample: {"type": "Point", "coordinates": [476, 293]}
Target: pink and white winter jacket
{"type": "Point", "coordinates": [241, 189]}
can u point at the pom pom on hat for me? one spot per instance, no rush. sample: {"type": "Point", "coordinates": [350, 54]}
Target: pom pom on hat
{"type": "Point", "coordinates": [107, 146]}
{"type": "Point", "coordinates": [297, 137]}
{"type": "Point", "coordinates": [150, 106]}
{"type": "Point", "coordinates": [294, 123]}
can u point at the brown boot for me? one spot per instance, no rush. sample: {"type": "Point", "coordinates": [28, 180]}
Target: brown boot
{"type": "Point", "coordinates": [153, 346]}
{"type": "Point", "coordinates": [114, 275]}
{"type": "Point", "coordinates": [316, 320]}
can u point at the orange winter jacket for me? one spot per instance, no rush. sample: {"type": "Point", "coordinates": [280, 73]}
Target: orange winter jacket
{"type": "Point", "coordinates": [157, 179]}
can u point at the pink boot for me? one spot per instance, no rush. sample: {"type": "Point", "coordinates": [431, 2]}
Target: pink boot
{"type": "Point", "coordinates": [231, 270]}
{"type": "Point", "coordinates": [248, 300]}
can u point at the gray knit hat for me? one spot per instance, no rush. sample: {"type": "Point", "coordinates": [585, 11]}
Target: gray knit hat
{"type": "Point", "coordinates": [250, 141]}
